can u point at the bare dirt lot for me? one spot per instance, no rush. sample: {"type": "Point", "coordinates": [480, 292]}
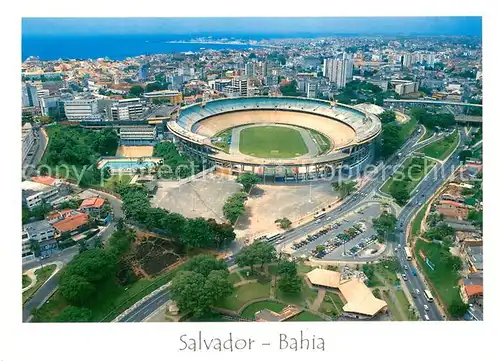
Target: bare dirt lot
{"type": "Point", "coordinates": [199, 198]}
{"type": "Point", "coordinates": [135, 151]}
{"type": "Point", "coordinates": [270, 202]}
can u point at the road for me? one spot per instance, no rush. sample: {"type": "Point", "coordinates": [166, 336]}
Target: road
{"type": "Point", "coordinates": [29, 166]}
{"type": "Point", "coordinates": [66, 256]}
{"type": "Point", "coordinates": [427, 189]}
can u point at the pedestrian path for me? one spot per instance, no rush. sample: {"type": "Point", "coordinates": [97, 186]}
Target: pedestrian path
{"type": "Point", "coordinates": [31, 274]}
{"type": "Point", "coordinates": [319, 299]}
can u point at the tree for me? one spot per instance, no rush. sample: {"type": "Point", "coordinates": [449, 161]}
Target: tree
{"type": "Point", "coordinates": [248, 180]}
{"type": "Point", "coordinates": [97, 243]}
{"type": "Point", "coordinates": [234, 206]}
{"type": "Point", "coordinates": [35, 247]}
{"type": "Point", "coordinates": [217, 285]}
{"type": "Point", "coordinates": [320, 248]}
{"type": "Point", "coordinates": [289, 282]}
{"type": "Point", "coordinates": [82, 246]}
{"type": "Point", "coordinates": [385, 224]}
{"type": "Point", "coordinates": [344, 188]}
{"type": "Point", "coordinates": [196, 233]}
{"type": "Point", "coordinates": [457, 309]}
{"type": "Point", "coordinates": [388, 116]}
{"type": "Point", "coordinates": [187, 289]}
{"type": "Point", "coordinates": [391, 139]}
{"type": "Point", "coordinates": [204, 264]}
{"type": "Point", "coordinates": [136, 91]}
{"type": "Point", "coordinates": [399, 190]}
{"type": "Point", "coordinates": [265, 252]}
{"type": "Point", "coordinates": [76, 289]}
{"type": "Point", "coordinates": [284, 223]}
{"type": "Point", "coordinates": [247, 257]}
{"type": "Point", "coordinates": [74, 314]}
{"type": "Point", "coordinates": [289, 89]}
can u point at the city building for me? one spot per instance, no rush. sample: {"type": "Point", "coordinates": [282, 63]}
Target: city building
{"type": "Point", "coordinates": [173, 96]}
{"type": "Point", "coordinates": [338, 71]}
{"type": "Point", "coordinates": [49, 105]}
{"type": "Point", "coordinates": [126, 109]}
{"type": "Point", "coordinates": [82, 110]}
{"type": "Point", "coordinates": [26, 252]}
{"type": "Point", "coordinates": [34, 194]}
{"type": "Point", "coordinates": [144, 71]}
{"type": "Point", "coordinates": [71, 225]}
{"type": "Point", "coordinates": [28, 140]}
{"type": "Point", "coordinates": [41, 232]}
{"type": "Point", "coordinates": [241, 84]}
{"type": "Point", "coordinates": [92, 206]}
{"type": "Point", "coordinates": [250, 70]}
{"type": "Point", "coordinates": [31, 95]}
{"type": "Point", "coordinates": [406, 87]}
{"type": "Point", "coordinates": [138, 134]}
{"type": "Point", "coordinates": [360, 302]}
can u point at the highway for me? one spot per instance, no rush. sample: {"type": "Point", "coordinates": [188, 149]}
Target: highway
{"type": "Point", "coordinates": [427, 188]}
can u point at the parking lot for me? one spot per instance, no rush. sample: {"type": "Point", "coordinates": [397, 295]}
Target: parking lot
{"type": "Point", "coordinates": [352, 234]}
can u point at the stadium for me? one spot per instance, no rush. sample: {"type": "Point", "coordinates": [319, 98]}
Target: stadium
{"type": "Point", "coordinates": [280, 138]}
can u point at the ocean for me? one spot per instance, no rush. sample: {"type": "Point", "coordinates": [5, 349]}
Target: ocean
{"type": "Point", "coordinates": [116, 47]}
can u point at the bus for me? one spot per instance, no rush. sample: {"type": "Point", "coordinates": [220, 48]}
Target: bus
{"type": "Point", "coordinates": [428, 296]}
{"type": "Point", "coordinates": [408, 253]}
{"type": "Point", "coordinates": [319, 215]}
{"type": "Point", "coordinates": [273, 237]}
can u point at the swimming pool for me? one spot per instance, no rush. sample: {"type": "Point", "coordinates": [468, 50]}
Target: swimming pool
{"type": "Point", "coordinates": [119, 165]}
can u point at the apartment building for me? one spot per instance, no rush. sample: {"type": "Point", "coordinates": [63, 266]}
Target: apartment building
{"type": "Point", "coordinates": [138, 134]}
{"type": "Point", "coordinates": [34, 194]}
{"type": "Point", "coordinates": [126, 109]}
{"type": "Point", "coordinates": [82, 110]}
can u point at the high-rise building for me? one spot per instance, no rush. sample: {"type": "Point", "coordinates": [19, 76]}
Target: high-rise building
{"type": "Point", "coordinates": [311, 88]}
{"type": "Point", "coordinates": [406, 88]}
{"type": "Point", "coordinates": [82, 110]}
{"type": "Point", "coordinates": [406, 60]}
{"type": "Point", "coordinates": [127, 109]}
{"type": "Point", "coordinates": [250, 69]}
{"type": "Point", "coordinates": [338, 71]}
{"type": "Point", "coordinates": [32, 94]}
{"type": "Point", "coordinates": [431, 59]}
{"type": "Point", "coordinates": [144, 71]}
{"type": "Point", "coordinates": [241, 84]}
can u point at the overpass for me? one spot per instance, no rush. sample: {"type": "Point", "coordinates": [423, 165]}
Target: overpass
{"type": "Point", "coordinates": [431, 102]}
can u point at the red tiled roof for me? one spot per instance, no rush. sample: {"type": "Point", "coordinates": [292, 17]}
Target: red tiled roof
{"type": "Point", "coordinates": [452, 203]}
{"type": "Point", "coordinates": [62, 213]}
{"type": "Point", "coordinates": [94, 202]}
{"type": "Point", "coordinates": [472, 290]}
{"type": "Point", "coordinates": [71, 223]}
{"type": "Point", "coordinates": [44, 180]}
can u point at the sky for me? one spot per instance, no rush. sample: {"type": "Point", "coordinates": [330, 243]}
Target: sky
{"type": "Point", "coordinates": [470, 26]}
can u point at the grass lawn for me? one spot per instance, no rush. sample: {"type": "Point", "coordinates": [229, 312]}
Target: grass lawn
{"type": "Point", "coordinates": [301, 268]}
{"type": "Point", "coordinates": [388, 274]}
{"type": "Point", "coordinates": [116, 179]}
{"type": "Point", "coordinates": [417, 221]}
{"type": "Point", "coordinates": [331, 305]}
{"type": "Point", "coordinates": [411, 171]}
{"type": "Point", "coordinates": [299, 298]}
{"type": "Point", "coordinates": [234, 277]}
{"type": "Point", "coordinates": [428, 133]}
{"type": "Point", "coordinates": [392, 307]}
{"type": "Point", "coordinates": [249, 312]}
{"type": "Point", "coordinates": [272, 142]}
{"type": "Point", "coordinates": [210, 317]}
{"type": "Point", "coordinates": [442, 148]}
{"type": "Point", "coordinates": [305, 316]}
{"type": "Point", "coordinates": [222, 143]}
{"type": "Point", "coordinates": [42, 275]}
{"type": "Point", "coordinates": [322, 141]}
{"type": "Point", "coordinates": [243, 294]}
{"type": "Point", "coordinates": [443, 279]}
{"type": "Point", "coordinates": [408, 128]}
{"type": "Point", "coordinates": [403, 302]}
{"type": "Point", "coordinates": [26, 281]}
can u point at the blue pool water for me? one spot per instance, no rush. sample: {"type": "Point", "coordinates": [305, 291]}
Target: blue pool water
{"type": "Point", "coordinates": [128, 164]}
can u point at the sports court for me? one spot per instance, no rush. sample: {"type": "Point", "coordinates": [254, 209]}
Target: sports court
{"type": "Point", "coordinates": [134, 151]}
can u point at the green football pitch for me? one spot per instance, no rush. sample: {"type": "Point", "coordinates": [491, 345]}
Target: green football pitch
{"type": "Point", "coordinates": [272, 142]}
